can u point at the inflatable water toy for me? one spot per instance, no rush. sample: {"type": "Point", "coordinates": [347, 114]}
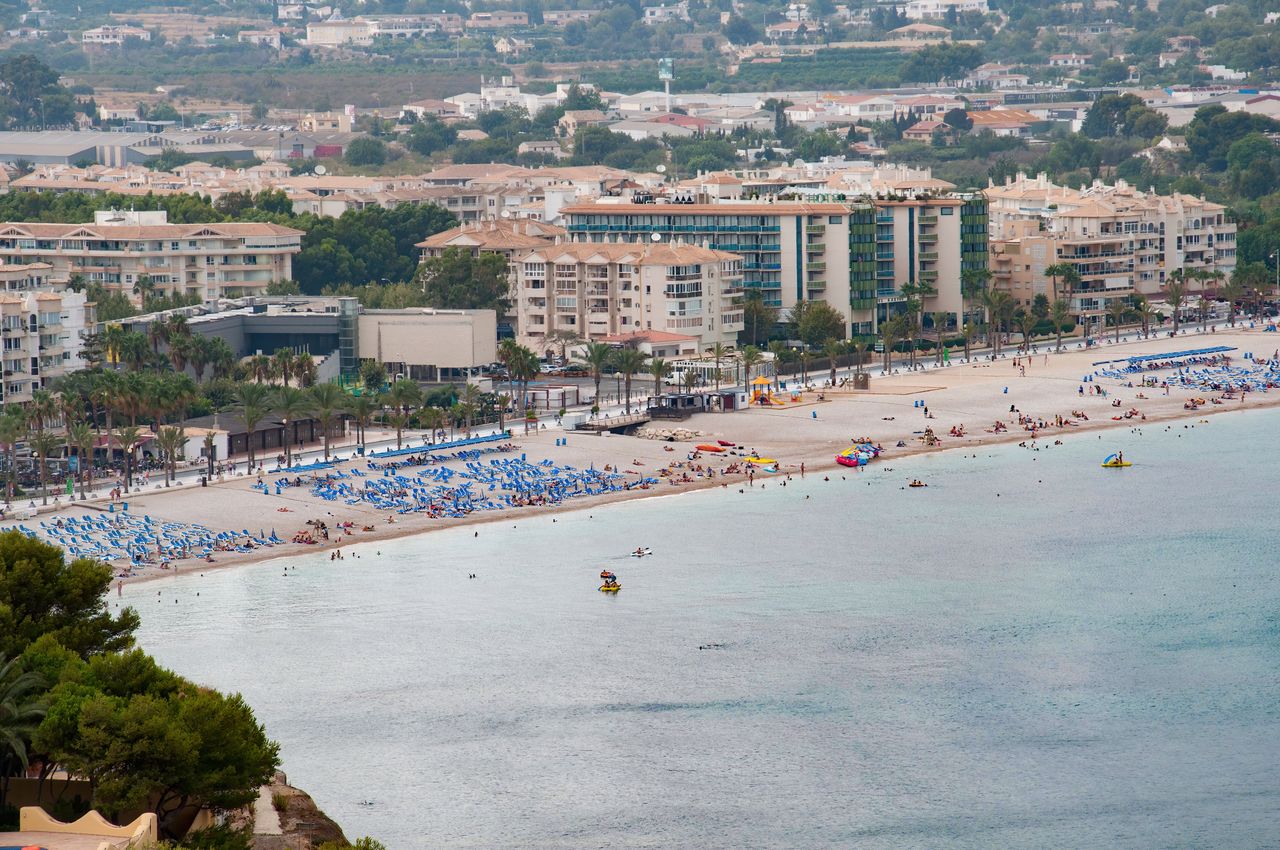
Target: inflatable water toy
{"type": "Point", "coordinates": [761, 461]}
{"type": "Point", "coordinates": [707, 447]}
{"type": "Point", "coordinates": [727, 444]}
{"type": "Point", "coordinates": [610, 588]}
{"type": "Point", "coordinates": [610, 582]}
{"type": "Point", "coordinates": [859, 455]}
{"type": "Point", "coordinates": [917, 483]}
{"type": "Point", "coordinates": [1114, 462]}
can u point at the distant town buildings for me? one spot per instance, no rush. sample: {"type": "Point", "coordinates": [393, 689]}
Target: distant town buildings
{"type": "Point", "coordinates": [111, 35]}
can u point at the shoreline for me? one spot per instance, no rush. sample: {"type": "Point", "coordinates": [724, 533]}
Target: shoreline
{"type": "Point", "coordinates": [815, 464]}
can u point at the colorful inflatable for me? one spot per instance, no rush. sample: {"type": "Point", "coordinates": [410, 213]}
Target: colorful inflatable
{"type": "Point", "coordinates": [858, 455]}
{"type": "Point", "coordinates": [1114, 462]}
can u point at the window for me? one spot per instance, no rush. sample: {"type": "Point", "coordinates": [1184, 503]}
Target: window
{"type": "Point", "coordinates": [834, 219]}
{"type": "Point", "coordinates": [948, 210]}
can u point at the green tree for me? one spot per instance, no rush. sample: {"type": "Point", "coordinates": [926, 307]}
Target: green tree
{"type": "Point", "coordinates": [402, 397]}
{"type": "Point", "coordinates": [596, 357]}
{"type": "Point", "coordinates": [21, 710]}
{"type": "Point", "coordinates": [253, 403]}
{"type": "Point", "coordinates": [758, 319]}
{"type": "Point", "coordinates": [45, 595]}
{"type": "Point", "coordinates": [815, 322]}
{"type": "Point", "coordinates": [328, 401]}
{"type": "Point", "coordinates": [1060, 315]}
{"type": "Point", "coordinates": [719, 353]}
{"type": "Point", "coordinates": [13, 430]}
{"type": "Point", "coordinates": [660, 369]}
{"type": "Point", "coordinates": [456, 280]}
{"type": "Point", "coordinates": [629, 361]}
{"type": "Point", "coordinates": [366, 150]}
{"type": "Point", "coordinates": [1175, 294]}
{"type": "Point", "coordinates": [44, 445]}
{"type": "Point", "coordinates": [292, 404]}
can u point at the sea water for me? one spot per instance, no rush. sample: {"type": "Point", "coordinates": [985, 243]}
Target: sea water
{"type": "Point", "coordinates": [1031, 652]}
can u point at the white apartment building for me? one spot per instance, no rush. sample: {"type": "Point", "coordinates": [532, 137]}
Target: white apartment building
{"type": "Point", "coordinates": [111, 35]}
{"type": "Point", "coordinates": [42, 334]}
{"type": "Point", "coordinates": [598, 290]}
{"type": "Point", "coordinates": [935, 10]}
{"type": "Point", "coordinates": [221, 260]}
{"type": "Point", "coordinates": [339, 33]}
{"type": "Point", "coordinates": [663, 13]}
{"type": "Point", "coordinates": [1123, 242]}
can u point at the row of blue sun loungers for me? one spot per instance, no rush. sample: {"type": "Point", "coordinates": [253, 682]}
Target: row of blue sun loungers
{"type": "Point", "coordinates": [500, 483]}
{"type": "Point", "coordinates": [137, 538]}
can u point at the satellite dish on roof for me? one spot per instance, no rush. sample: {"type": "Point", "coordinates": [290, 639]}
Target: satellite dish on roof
{"type": "Point", "coordinates": [799, 163]}
{"type": "Point", "coordinates": [661, 169]}
{"type": "Point", "coordinates": [321, 170]}
{"type": "Point", "coordinates": [505, 213]}
{"type": "Point", "coordinates": [655, 237]}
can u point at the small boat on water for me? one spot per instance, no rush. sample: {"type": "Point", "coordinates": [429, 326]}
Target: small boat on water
{"type": "Point", "coordinates": [610, 588]}
{"type": "Point", "coordinates": [610, 582]}
{"type": "Point", "coordinates": [1115, 462]}
{"type": "Point", "coordinates": [640, 553]}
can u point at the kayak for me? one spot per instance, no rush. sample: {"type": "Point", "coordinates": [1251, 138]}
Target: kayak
{"type": "Point", "coordinates": [707, 447]}
{"type": "Point", "coordinates": [610, 588]}
{"type": "Point", "coordinates": [761, 461]}
{"type": "Point", "coordinates": [1115, 464]}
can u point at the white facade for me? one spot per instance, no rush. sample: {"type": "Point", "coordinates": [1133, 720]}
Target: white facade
{"type": "Point", "coordinates": [113, 36]}
{"type": "Point", "coordinates": [664, 13]}
{"type": "Point", "coordinates": [43, 336]}
{"type": "Point", "coordinates": [208, 260]}
{"type": "Point", "coordinates": [602, 290]}
{"type": "Point", "coordinates": [933, 10]}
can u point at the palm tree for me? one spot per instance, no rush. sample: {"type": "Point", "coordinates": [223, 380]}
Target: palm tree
{"type": "Point", "coordinates": [433, 418]}
{"type": "Point", "coordinates": [660, 369]}
{"type": "Point", "coordinates": [284, 363]}
{"type": "Point", "coordinates": [199, 353]}
{"type": "Point", "coordinates": [157, 333]}
{"type": "Point", "coordinates": [751, 357]}
{"type": "Point", "coordinates": [967, 333]}
{"type": "Point", "coordinates": [832, 349]}
{"type": "Point", "coordinates": [508, 351]}
{"type": "Point", "coordinates": [690, 380]}
{"type": "Point", "coordinates": [1175, 293]}
{"type": "Point", "coordinates": [469, 404]}
{"type": "Point", "coordinates": [44, 445]}
{"type": "Point", "coordinates": [973, 282]}
{"type": "Point", "coordinates": [180, 352]}
{"type": "Point", "coordinates": [21, 710]}
{"type": "Point", "coordinates": [1067, 271]}
{"type": "Point", "coordinates": [629, 361]}
{"type": "Point", "coordinates": [13, 430]}
{"type": "Point", "coordinates": [719, 353]}
{"type": "Point", "coordinates": [292, 404]}
{"type": "Point", "coordinates": [940, 320]}
{"type": "Point", "coordinates": [1231, 292]}
{"type": "Point", "coordinates": [1059, 314]}
{"type": "Point", "coordinates": [171, 441]}
{"type": "Point", "coordinates": [780, 353]}
{"type": "Point", "coordinates": [127, 439]}
{"type": "Point", "coordinates": [890, 336]}
{"type": "Point", "coordinates": [362, 407]}
{"type": "Point", "coordinates": [524, 368]}
{"type": "Point", "coordinates": [1116, 312]}
{"type": "Point", "coordinates": [254, 403]}
{"type": "Point", "coordinates": [82, 436]}
{"type": "Point", "coordinates": [304, 369]}
{"type": "Point", "coordinates": [261, 367]}
{"type": "Point", "coordinates": [1203, 304]}
{"type": "Point", "coordinates": [597, 356]}
{"type": "Point", "coordinates": [860, 349]}
{"type": "Point", "coordinates": [402, 397]}
{"type": "Point", "coordinates": [1000, 307]}
{"type": "Point", "coordinates": [134, 351]}
{"type": "Point", "coordinates": [209, 446]}
{"type": "Point", "coordinates": [1026, 327]}
{"type": "Point", "coordinates": [328, 402]}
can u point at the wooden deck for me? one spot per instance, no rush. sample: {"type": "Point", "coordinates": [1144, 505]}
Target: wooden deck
{"type": "Point", "coordinates": [614, 423]}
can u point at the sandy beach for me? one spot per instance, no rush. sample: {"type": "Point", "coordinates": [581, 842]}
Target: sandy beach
{"type": "Point", "coordinates": [971, 397]}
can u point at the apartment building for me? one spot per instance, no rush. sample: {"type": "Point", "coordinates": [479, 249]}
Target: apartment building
{"type": "Point", "coordinates": [42, 334]}
{"type": "Point", "coordinates": [226, 259]}
{"type": "Point", "coordinates": [1122, 242]}
{"type": "Point", "coordinates": [790, 251]}
{"type": "Point", "coordinates": [112, 35]}
{"type": "Point", "coordinates": [497, 20]}
{"type": "Point", "coordinates": [936, 10]}
{"type": "Point", "coordinates": [600, 290]}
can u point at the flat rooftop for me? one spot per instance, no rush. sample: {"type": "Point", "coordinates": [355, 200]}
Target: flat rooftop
{"type": "Point", "coordinates": [58, 840]}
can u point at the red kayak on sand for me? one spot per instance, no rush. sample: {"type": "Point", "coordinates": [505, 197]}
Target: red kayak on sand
{"type": "Point", "coordinates": [727, 444]}
{"type": "Point", "coordinates": [707, 447]}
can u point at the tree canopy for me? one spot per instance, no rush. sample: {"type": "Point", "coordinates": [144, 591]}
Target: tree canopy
{"type": "Point", "coordinates": [459, 280]}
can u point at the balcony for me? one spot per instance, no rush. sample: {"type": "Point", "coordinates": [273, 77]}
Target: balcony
{"type": "Point", "coordinates": [816, 247]}
{"type": "Point", "coordinates": [928, 256]}
{"type": "Point", "coordinates": [816, 285]}
{"type": "Point", "coordinates": [862, 304]}
{"type": "Point", "coordinates": [818, 229]}
{"type": "Point", "coordinates": [928, 219]}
